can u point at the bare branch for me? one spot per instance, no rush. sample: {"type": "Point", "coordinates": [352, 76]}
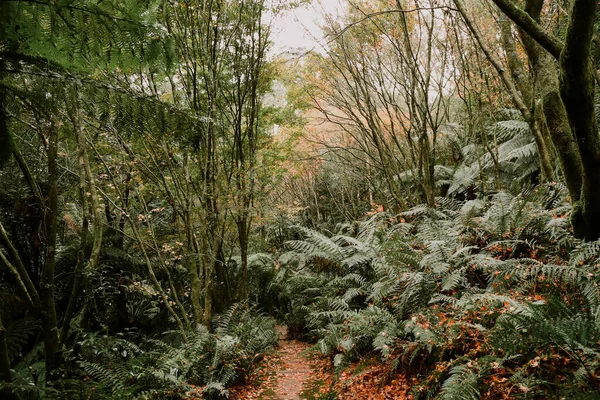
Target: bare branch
{"type": "Point", "coordinates": [529, 25]}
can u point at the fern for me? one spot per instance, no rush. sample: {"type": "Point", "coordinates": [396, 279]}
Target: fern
{"type": "Point", "coordinates": [472, 281]}
{"type": "Point", "coordinates": [461, 385]}
{"type": "Point", "coordinates": [109, 380]}
{"type": "Point", "coordinates": [585, 252]}
{"type": "Point", "coordinates": [18, 334]}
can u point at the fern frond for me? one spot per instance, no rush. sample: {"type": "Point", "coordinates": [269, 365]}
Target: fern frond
{"type": "Point", "coordinates": [461, 385]}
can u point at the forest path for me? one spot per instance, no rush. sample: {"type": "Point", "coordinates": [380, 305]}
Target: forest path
{"type": "Point", "coordinates": [284, 375]}
{"type": "Point", "coordinates": [295, 367]}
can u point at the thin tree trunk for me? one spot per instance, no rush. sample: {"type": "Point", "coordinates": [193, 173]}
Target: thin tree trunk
{"type": "Point", "coordinates": [191, 258]}
{"type": "Point", "coordinates": [153, 277]}
{"type": "Point", "coordinates": [163, 264]}
{"type": "Point", "coordinates": [517, 85]}
{"type": "Point", "coordinates": [140, 242]}
{"type": "Point", "coordinates": [208, 268]}
{"type": "Point", "coordinates": [523, 84]}
{"type": "Point", "coordinates": [89, 201]}
{"type": "Point", "coordinates": [49, 320]}
{"type": "Point", "coordinates": [4, 360]}
{"type": "Point", "coordinates": [192, 264]}
{"type": "Point", "coordinates": [17, 263]}
{"type": "Point", "coordinates": [242, 225]}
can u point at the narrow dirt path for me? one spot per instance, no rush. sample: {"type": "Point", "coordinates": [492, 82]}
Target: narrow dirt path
{"type": "Point", "coordinates": [293, 373]}
{"type": "Point", "coordinates": [295, 368]}
{"type": "Point", "coordinates": [281, 376]}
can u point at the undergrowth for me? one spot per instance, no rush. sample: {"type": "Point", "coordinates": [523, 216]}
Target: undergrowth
{"type": "Point", "coordinates": [472, 299]}
{"type": "Point", "coordinates": [199, 365]}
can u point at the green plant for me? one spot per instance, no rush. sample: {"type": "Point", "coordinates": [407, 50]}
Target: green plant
{"type": "Point", "coordinates": [470, 295]}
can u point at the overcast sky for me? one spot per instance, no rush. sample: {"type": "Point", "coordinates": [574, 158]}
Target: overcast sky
{"type": "Point", "coordinates": [299, 28]}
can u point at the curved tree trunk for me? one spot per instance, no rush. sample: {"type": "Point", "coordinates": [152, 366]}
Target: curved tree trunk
{"type": "Point", "coordinates": [524, 85]}
{"type": "Point", "coordinates": [547, 90]}
{"type": "Point", "coordinates": [577, 82]}
{"type": "Point", "coordinates": [89, 202]}
{"type": "Point", "coordinates": [577, 89]}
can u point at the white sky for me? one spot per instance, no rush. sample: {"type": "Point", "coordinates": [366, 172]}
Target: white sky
{"type": "Point", "coordinates": [298, 29]}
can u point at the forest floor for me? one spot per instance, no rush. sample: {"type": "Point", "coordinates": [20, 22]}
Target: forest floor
{"type": "Point", "coordinates": [293, 372]}
{"type": "Point", "coordinates": [290, 373]}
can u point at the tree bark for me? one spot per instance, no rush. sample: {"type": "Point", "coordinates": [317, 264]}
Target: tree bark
{"type": "Point", "coordinates": [5, 373]}
{"type": "Point", "coordinates": [50, 225]}
{"type": "Point", "coordinates": [529, 25]}
{"type": "Point", "coordinates": [524, 85]}
{"type": "Point", "coordinates": [6, 141]}
{"type": "Point", "coordinates": [122, 210]}
{"type": "Point", "coordinates": [243, 228]}
{"type": "Point", "coordinates": [87, 186]}
{"type": "Point", "coordinates": [4, 360]}
{"type": "Point", "coordinates": [15, 264]}
{"type": "Point", "coordinates": [208, 268]}
{"type": "Point", "coordinates": [518, 85]}
{"type": "Point", "coordinates": [577, 89]}
{"type": "Point", "coordinates": [547, 89]}
{"type": "Point", "coordinates": [577, 82]}
{"type": "Point", "coordinates": [192, 263]}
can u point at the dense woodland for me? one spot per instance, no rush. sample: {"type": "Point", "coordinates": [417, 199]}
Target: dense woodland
{"type": "Point", "coordinates": [423, 196]}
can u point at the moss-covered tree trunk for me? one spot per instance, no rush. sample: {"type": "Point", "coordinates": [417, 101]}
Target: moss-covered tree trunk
{"type": "Point", "coordinates": [523, 83]}
{"type": "Point", "coordinates": [577, 89]}
{"type": "Point", "coordinates": [546, 88]}
{"type": "Point", "coordinates": [243, 226]}
{"type": "Point", "coordinates": [5, 138]}
{"type": "Point", "coordinates": [92, 211]}
{"type": "Point", "coordinates": [193, 264]}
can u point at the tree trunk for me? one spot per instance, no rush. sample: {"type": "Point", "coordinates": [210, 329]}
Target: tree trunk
{"type": "Point", "coordinates": [242, 225]}
{"type": "Point", "coordinates": [555, 114]}
{"type": "Point", "coordinates": [517, 84]}
{"type": "Point", "coordinates": [5, 374]}
{"type": "Point", "coordinates": [208, 268]}
{"type": "Point", "coordinates": [222, 296]}
{"type": "Point", "coordinates": [89, 200]}
{"type": "Point", "coordinates": [4, 360]}
{"type": "Point", "coordinates": [577, 89]}
{"type": "Point", "coordinates": [193, 264]}
{"type": "Point", "coordinates": [523, 84]}
{"type": "Point", "coordinates": [546, 88]}
{"type": "Point", "coordinates": [5, 137]}
{"type": "Point", "coordinates": [427, 169]}
{"type": "Point", "coordinates": [49, 320]}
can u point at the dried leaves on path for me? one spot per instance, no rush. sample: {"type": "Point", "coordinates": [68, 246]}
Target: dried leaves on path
{"type": "Point", "coordinates": [293, 373]}
{"type": "Point", "coordinates": [281, 375]}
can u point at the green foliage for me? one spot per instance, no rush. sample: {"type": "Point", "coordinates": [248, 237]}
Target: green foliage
{"type": "Point", "coordinates": [513, 159]}
{"type": "Point", "coordinates": [461, 385]}
{"type": "Point", "coordinates": [202, 363]}
{"type": "Point", "coordinates": [86, 33]}
{"type": "Point", "coordinates": [485, 283]}
{"type": "Point", "coordinates": [18, 334]}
